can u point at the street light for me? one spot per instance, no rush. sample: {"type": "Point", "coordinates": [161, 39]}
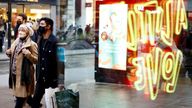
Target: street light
{"type": "Point", "coordinates": [9, 23]}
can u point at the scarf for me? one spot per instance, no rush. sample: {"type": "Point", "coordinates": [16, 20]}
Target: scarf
{"type": "Point", "coordinates": [26, 72]}
{"type": "Point", "coordinates": [15, 54]}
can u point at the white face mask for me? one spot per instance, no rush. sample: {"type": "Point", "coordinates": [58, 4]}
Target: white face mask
{"type": "Point", "coordinates": [22, 34]}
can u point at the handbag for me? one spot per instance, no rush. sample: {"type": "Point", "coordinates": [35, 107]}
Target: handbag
{"type": "Point", "coordinates": [67, 99]}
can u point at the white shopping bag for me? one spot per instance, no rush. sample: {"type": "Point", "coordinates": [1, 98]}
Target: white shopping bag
{"type": "Point", "coordinates": [50, 100]}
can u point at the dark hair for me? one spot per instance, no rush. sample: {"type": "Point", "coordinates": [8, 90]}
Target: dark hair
{"type": "Point", "coordinates": [23, 16]}
{"type": "Point", "coordinates": [79, 31]}
{"type": "Point", "coordinates": [48, 21]}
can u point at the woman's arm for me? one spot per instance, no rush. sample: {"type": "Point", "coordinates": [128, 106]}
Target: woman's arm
{"type": "Point", "coordinates": [32, 53]}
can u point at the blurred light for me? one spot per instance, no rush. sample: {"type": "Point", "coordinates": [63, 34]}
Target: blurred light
{"type": "Point", "coordinates": [43, 11]}
{"type": "Point", "coordinates": [122, 2]}
{"type": "Point", "coordinates": [14, 10]}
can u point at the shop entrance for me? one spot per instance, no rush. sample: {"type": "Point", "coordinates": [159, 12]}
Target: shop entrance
{"type": "Point", "coordinates": [33, 11]}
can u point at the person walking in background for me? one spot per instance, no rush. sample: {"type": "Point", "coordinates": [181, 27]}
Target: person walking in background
{"type": "Point", "coordinates": [2, 33]}
{"type": "Point", "coordinates": [187, 51]}
{"type": "Point", "coordinates": [35, 27]}
{"type": "Point", "coordinates": [24, 55]}
{"type": "Point", "coordinates": [21, 19]}
{"type": "Point", "coordinates": [80, 33]}
{"type": "Point", "coordinates": [181, 45]}
{"type": "Point", "coordinates": [46, 75]}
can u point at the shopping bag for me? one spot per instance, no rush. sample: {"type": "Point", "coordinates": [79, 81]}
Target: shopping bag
{"type": "Point", "coordinates": [67, 99]}
{"type": "Point", "coordinates": [50, 100]}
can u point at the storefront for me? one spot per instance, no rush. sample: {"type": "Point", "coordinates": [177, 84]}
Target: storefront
{"type": "Point", "coordinates": [34, 9]}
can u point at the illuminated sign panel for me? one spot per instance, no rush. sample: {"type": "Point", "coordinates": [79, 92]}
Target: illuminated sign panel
{"type": "Point", "coordinates": [155, 29]}
{"type": "Point", "coordinates": [151, 27]}
{"type": "Point", "coordinates": [113, 36]}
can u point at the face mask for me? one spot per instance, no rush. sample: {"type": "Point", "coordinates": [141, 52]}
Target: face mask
{"type": "Point", "coordinates": [41, 30]}
{"type": "Point", "coordinates": [22, 35]}
{"type": "Point", "coordinates": [19, 22]}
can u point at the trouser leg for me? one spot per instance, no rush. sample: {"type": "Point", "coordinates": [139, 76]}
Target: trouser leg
{"type": "Point", "coordinates": [19, 102]}
{"type": "Point", "coordinates": [190, 72]}
{"type": "Point", "coordinates": [39, 92]}
{"type": "Point", "coordinates": [30, 100]}
{"type": "Point", "coordinates": [1, 44]}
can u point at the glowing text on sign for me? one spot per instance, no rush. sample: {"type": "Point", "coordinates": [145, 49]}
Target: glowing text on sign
{"type": "Point", "coordinates": [148, 27]}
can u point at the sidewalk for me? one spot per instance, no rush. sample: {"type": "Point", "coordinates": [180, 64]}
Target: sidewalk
{"type": "Point", "coordinates": [4, 64]}
{"type": "Point", "coordinates": [80, 67]}
{"type": "Point", "coordinates": [105, 95]}
{"type": "Point", "coordinates": [3, 56]}
{"type": "Point", "coordinates": [7, 100]}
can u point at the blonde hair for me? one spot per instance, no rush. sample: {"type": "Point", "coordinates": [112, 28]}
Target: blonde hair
{"type": "Point", "coordinates": [26, 28]}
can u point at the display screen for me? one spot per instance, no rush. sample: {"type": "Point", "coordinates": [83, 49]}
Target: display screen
{"type": "Point", "coordinates": [113, 36]}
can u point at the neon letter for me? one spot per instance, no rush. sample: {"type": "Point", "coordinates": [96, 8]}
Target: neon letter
{"type": "Point", "coordinates": [181, 17]}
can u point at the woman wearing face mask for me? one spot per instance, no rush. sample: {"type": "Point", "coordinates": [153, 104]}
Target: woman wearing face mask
{"type": "Point", "coordinates": [23, 54]}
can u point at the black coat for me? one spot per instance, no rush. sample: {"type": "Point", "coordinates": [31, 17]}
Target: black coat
{"type": "Point", "coordinates": [47, 62]}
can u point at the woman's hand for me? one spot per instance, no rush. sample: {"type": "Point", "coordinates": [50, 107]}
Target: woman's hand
{"type": "Point", "coordinates": [26, 51]}
{"type": "Point", "coordinates": [8, 52]}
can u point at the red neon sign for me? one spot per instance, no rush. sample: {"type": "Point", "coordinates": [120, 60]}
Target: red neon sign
{"type": "Point", "coordinates": [154, 24]}
{"type": "Point", "coordinates": [151, 27]}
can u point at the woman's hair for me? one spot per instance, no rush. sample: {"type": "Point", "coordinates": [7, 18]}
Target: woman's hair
{"type": "Point", "coordinates": [27, 29]}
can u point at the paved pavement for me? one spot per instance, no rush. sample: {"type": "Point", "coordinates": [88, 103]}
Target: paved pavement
{"type": "Point", "coordinates": [79, 67]}
{"type": "Point", "coordinates": [4, 64]}
{"type": "Point", "coordinates": [3, 57]}
{"type": "Point", "coordinates": [79, 74]}
{"type": "Point", "coordinates": [102, 95]}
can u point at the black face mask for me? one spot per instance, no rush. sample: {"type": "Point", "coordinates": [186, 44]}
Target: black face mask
{"type": "Point", "coordinates": [19, 22]}
{"type": "Point", "coordinates": [22, 39]}
{"type": "Point", "coordinates": [41, 30]}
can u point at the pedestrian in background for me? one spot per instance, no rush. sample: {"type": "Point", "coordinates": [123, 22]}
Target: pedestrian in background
{"type": "Point", "coordinates": [21, 19]}
{"type": "Point", "coordinates": [2, 33]}
{"type": "Point", "coordinates": [181, 41]}
{"type": "Point", "coordinates": [46, 75]}
{"type": "Point", "coordinates": [187, 51]}
{"type": "Point", "coordinates": [24, 55]}
{"type": "Point", "coordinates": [35, 27]}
